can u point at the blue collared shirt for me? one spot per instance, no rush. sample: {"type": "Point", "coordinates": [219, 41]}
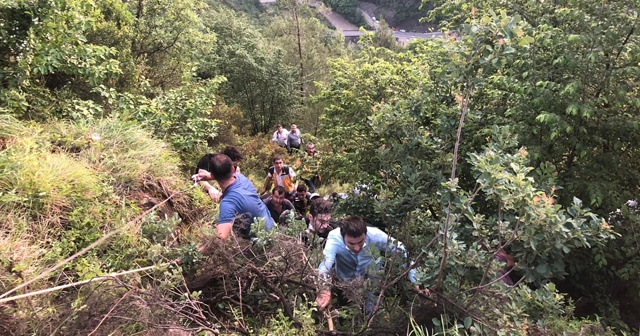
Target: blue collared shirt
{"type": "Point", "coordinates": [351, 265]}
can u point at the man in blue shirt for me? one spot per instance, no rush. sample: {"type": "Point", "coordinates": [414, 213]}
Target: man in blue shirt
{"type": "Point", "coordinates": [348, 248]}
{"type": "Point", "coordinates": [204, 163]}
{"type": "Point", "coordinates": [239, 197]}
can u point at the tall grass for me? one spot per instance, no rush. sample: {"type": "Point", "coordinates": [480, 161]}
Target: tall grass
{"type": "Point", "coordinates": [123, 152]}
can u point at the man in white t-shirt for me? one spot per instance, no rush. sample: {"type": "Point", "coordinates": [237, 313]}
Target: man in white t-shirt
{"type": "Point", "coordinates": [280, 136]}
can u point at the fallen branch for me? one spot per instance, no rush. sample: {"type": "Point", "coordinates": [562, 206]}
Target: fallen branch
{"type": "Point", "coordinates": [91, 246]}
{"type": "Point", "coordinates": [112, 276]}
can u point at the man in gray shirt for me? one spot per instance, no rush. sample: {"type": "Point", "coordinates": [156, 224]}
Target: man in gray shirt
{"type": "Point", "coordinates": [294, 138]}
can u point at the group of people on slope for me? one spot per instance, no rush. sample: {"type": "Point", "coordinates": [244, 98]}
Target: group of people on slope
{"type": "Point", "coordinates": [348, 243]}
{"type": "Point", "coordinates": [288, 139]}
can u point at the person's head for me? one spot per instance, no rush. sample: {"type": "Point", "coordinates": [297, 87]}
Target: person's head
{"type": "Point", "coordinates": [221, 167]}
{"type": "Point", "coordinates": [354, 232]}
{"type": "Point", "coordinates": [311, 149]}
{"type": "Point", "coordinates": [234, 154]}
{"type": "Point", "coordinates": [320, 210]}
{"type": "Point", "coordinates": [278, 162]}
{"type": "Point", "coordinates": [294, 128]}
{"type": "Point", "coordinates": [204, 163]}
{"type": "Point", "coordinates": [301, 191]}
{"type": "Point", "coordinates": [278, 195]}
{"type": "Point", "coordinates": [279, 127]}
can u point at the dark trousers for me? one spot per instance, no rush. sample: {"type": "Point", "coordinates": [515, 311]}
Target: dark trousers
{"type": "Point", "coordinates": [291, 147]}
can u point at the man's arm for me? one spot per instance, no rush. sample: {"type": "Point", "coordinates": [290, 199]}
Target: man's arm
{"type": "Point", "coordinates": [213, 192]}
{"type": "Point", "coordinates": [267, 183]}
{"type": "Point", "coordinates": [275, 137]}
{"type": "Point", "coordinates": [324, 294]}
{"type": "Point", "coordinates": [202, 177]}
{"type": "Point", "coordinates": [385, 242]}
{"type": "Point", "coordinates": [223, 230]}
{"type": "Point", "coordinates": [293, 175]}
{"type": "Point", "coordinates": [287, 205]}
{"type": "Point", "coordinates": [225, 220]}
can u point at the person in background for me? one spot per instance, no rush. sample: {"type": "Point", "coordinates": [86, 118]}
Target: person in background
{"type": "Point", "coordinates": [279, 207]}
{"type": "Point", "coordinates": [308, 165]}
{"type": "Point", "coordinates": [280, 136]}
{"type": "Point", "coordinates": [280, 175]}
{"type": "Point", "coordinates": [294, 139]}
{"type": "Point", "coordinates": [234, 154]}
{"type": "Point", "coordinates": [302, 203]}
{"type": "Point", "coordinates": [239, 202]}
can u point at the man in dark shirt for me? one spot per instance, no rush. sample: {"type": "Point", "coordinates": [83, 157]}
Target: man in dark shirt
{"type": "Point", "coordinates": [302, 202]}
{"type": "Point", "coordinates": [321, 222]}
{"type": "Point", "coordinates": [279, 207]}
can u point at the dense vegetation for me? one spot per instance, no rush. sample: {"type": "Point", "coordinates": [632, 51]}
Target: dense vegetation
{"type": "Point", "coordinates": [515, 132]}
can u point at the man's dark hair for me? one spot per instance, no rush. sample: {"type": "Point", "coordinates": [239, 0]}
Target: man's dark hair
{"type": "Point", "coordinates": [301, 187]}
{"type": "Point", "coordinates": [276, 158]}
{"type": "Point", "coordinates": [320, 206]}
{"type": "Point", "coordinates": [353, 226]}
{"type": "Point", "coordinates": [204, 163]}
{"type": "Point", "coordinates": [279, 190]}
{"type": "Point", "coordinates": [233, 153]}
{"type": "Point", "coordinates": [278, 125]}
{"type": "Point", "coordinates": [221, 167]}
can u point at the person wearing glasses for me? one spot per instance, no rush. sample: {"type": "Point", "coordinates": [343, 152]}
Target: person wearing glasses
{"type": "Point", "coordinates": [348, 250]}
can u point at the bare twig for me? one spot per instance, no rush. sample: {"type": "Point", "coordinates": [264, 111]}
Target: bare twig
{"type": "Point", "coordinates": [393, 282]}
{"type": "Point", "coordinates": [109, 313]}
{"type": "Point", "coordinates": [463, 112]}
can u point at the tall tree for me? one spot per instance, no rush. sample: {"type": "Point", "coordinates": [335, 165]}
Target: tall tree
{"type": "Point", "coordinates": [258, 80]}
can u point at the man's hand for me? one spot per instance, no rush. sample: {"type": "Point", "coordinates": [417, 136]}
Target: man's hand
{"type": "Point", "coordinates": [214, 194]}
{"type": "Point", "coordinates": [323, 299]}
{"type": "Point", "coordinates": [204, 175]}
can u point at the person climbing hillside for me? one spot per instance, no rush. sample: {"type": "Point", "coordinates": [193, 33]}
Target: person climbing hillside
{"type": "Point", "coordinates": [294, 139]}
{"type": "Point", "coordinates": [308, 166]}
{"type": "Point", "coordinates": [348, 251]}
{"type": "Point", "coordinates": [279, 207]}
{"type": "Point", "coordinates": [239, 201]}
{"type": "Point", "coordinates": [280, 136]}
{"type": "Point", "coordinates": [204, 163]}
{"type": "Point", "coordinates": [280, 175]}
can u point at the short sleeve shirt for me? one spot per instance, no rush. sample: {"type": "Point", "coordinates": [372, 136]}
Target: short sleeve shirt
{"type": "Point", "coordinates": [238, 200]}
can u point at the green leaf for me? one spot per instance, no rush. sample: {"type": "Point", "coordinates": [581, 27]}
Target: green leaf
{"type": "Point", "coordinates": [573, 38]}
{"type": "Point", "coordinates": [526, 40]}
{"type": "Point", "coordinates": [542, 269]}
{"type": "Point", "coordinates": [467, 322]}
